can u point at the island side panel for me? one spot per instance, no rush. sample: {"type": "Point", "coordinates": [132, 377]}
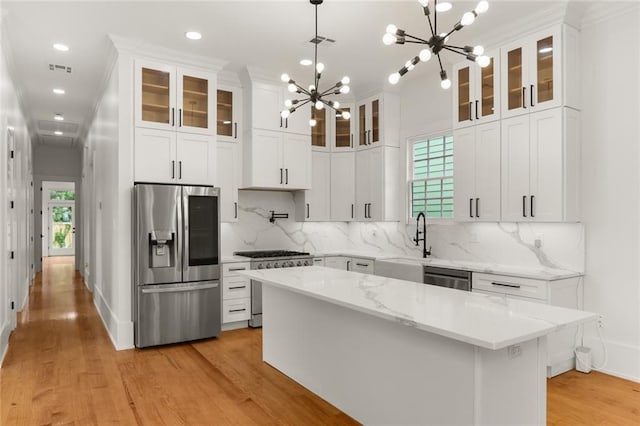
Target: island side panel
{"type": "Point", "coordinates": [375, 370]}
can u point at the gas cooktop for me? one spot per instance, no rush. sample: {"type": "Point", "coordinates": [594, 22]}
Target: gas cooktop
{"type": "Point", "coordinates": [265, 254]}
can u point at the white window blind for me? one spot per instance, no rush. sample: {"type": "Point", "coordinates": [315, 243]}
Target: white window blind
{"type": "Point", "coordinates": [431, 186]}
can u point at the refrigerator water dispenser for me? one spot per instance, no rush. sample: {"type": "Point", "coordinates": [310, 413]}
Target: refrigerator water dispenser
{"type": "Point", "coordinates": [161, 247]}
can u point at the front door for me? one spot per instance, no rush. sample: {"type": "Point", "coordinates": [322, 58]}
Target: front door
{"type": "Point", "coordinates": [61, 229]}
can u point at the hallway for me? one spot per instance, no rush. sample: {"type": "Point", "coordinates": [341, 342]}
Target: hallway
{"type": "Point", "coordinates": [62, 368]}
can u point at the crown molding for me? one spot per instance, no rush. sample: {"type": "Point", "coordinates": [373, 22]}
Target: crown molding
{"type": "Point", "coordinates": [138, 47]}
{"type": "Point", "coordinates": [601, 11]}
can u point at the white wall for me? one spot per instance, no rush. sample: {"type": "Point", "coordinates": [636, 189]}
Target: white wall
{"type": "Point", "coordinates": [610, 182]}
{"type": "Point", "coordinates": [17, 224]}
{"type": "Point", "coordinates": [58, 164]}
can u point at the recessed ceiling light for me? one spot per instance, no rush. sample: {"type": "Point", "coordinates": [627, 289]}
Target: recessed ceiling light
{"type": "Point", "coordinates": [443, 6]}
{"type": "Point", "coordinates": [61, 47]}
{"type": "Point", "coordinates": [306, 62]}
{"type": "Point", "coordinates": [58, 117]}
{"type": "Point", "coordinates": [58, 133]}
{"type": "Point", "coordinates": [193, 35]}
{"type": "Point", "coordinates": [58, 91]}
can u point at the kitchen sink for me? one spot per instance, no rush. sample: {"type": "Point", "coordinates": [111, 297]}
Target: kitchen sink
{"type": "Point", "coordinates": [400, 268]}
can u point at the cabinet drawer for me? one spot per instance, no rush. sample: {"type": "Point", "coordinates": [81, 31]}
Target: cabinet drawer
{"type": "Point", "coordinates": [235, 287]}
{"type": "Point", "coordinates": [236, 310]}
{"type": "Point", "coordinates": [230, 269]}
{"type": "Point", "coordinates": [364, 266]}
{"type": "Point", "coordinates": [514, 286]}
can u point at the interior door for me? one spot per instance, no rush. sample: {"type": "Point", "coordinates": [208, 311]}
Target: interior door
{"type": "Point", "coordinates": [62, 228]}
{"type": "Point", "coordinates": [11, 226]}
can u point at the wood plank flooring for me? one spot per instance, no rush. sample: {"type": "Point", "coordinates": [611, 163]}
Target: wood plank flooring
{"type": "Point", "coordinates": [61, 368]}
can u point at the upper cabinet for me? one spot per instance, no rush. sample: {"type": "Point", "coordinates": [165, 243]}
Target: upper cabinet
{"type": "Point", "coordinates": [539, 72]}
{"type": "Point", "coordinates": [377, 182]}
{"type": "Point", "coordinates": [321, 132]}
{"type": "Point", "coordinates": [267, 101]}
{"type": "Point", "coordinates": [314, 204]}
{"type": "Point", "coordinates": [229, 113]}
{"type": "Point", "coordinates": [172, 98]}
{"type": "Point", "coordinates": [476, 92]}
{"type": "Point", "coordinates": [378, 121]}
{"type": "Point", "coordinates": [343, 129]}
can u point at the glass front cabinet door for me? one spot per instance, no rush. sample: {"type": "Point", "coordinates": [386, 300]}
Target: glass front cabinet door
{"type": "Point", "coordinates": [531, 70]}
{"type": "Point", "coordinates": [196, 102]}
{"type": "Point", "coordinates": [369, 122]}
{"type": "Point", "coordinates": [343, 129]}
{"type": "Point", "coordinates": [155, 96]}
{"type": "Point", "coordinates": [319, 131]}
{"type": "Point", "coordinates": [476, 92]}
{"type": "Point", "coordinates": [228, 110]}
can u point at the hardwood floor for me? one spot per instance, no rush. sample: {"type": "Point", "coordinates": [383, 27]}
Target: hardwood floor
{"type": "Point", "coordinates": [61, 368]}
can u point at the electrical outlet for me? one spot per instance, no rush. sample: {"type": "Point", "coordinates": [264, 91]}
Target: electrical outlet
{"type": "Point", "coordinates": [514, 351]}
{"type": "Point", "coordinates": [600, 321]}
{"type": "Point", "coordinates": [539, 240]}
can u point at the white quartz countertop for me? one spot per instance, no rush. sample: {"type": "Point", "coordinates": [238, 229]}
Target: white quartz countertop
{"type": "Point", "coordinates": [486, 321]}
{"type": "Point", "coordinates": [540, 273]}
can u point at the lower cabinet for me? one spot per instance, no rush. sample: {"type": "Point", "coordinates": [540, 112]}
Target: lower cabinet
{"type": "Point", "coordinates": [361, 265]}
{"type": "Point", "coordinates": [229, 171]}
{"type": "Point", "coordinates": [314, 204]}
{"type": "Point", "coordinates": [236, 294]}
{"type": "Point", "coordinates": [563, 293]}
{"type": "Point", "coordinates": [337, 262]}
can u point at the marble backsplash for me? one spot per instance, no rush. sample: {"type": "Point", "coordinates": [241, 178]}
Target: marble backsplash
{"type": "Point", "coordinates": [504, 243]}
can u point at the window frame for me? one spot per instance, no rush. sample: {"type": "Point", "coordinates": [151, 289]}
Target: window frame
{"type": "Point", "coordinates": [411, 141]}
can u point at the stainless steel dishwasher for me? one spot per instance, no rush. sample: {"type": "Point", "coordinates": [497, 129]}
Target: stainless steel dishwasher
{"type": "Point", "coordinates": [446, 277]}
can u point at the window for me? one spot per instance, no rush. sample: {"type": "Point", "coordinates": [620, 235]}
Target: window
{"type": "Point", "coordinates": [431, 184]}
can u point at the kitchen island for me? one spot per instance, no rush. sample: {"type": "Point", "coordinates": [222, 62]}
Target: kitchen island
{"type": "Point", "coordinates": [387, 351]}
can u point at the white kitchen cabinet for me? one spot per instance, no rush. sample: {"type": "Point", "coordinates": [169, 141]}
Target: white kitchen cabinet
{"type": "Point", "coordinates": [343, 186]}
{"type": "Point", "coordinates": [377, 183]}
{"type": "Point", "coordinates": [318, 261]}
{"type": "Point", "coordinates": [229, 170]}
{"type": "Point", "coordinates": [236, 295]}
{"type": "Point", "coordinates": [540, 166]}
{"type": "Point", "coordinates": [563, 293]}
{"type": "Point", "coordinates": [476, 152]}
{"type": "Point", "coordinates": [267, 102]}
{"type": "Point", "coordinates": [321, 132]}
{"type": "Point", "coordinates": [343, 129]}
{"type": "Point", "coordinates": [337, 262]}
{"type": "Point", "coordinates": [362, 265]}
{"type": "Point", "coordinates": [168, 157]}
{"type": "Point", "coordinates": [378, 121]}
{"type": "Point", "coordinates": [168, 97]}
{"type": "Point", "coordinates": [314, 204]}
{"type": "Point", "coordinates": [540, 72]}
{"type": "Point", "coordinates": [476, 92]}
{"type": "Point", "coordinates": [229, 113]}
{"type": "Point", "coordinates": [276, 160]}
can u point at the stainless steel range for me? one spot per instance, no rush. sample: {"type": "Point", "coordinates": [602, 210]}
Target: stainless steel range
{"type": "Point", "coordinates": [268, 259]}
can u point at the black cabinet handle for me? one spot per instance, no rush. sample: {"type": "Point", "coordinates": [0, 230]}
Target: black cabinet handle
{"type": "Point", "coordinates": [470, 207]}
{"type": "Point", "coordinates": [237, 269]}
{"type": "Point", "coordinates": [235, 128]}
{"type": "Point", "coordinates": [280, 121]}
{"type": "Point", "coordinates": [365, 210]}
{"type": "Point", "coordinates": [173, 169]}
{"type": "Point", "coordinates": [351, 210]}
{"type": "Point", "coordinates": [477, 118]}
{"type": "Point", "coordinates": [524, 97]}
{"type": "Point", "coordinates": [237, 287]}
{"type": "Point", "coordinates": [470, 111]}
{"type": "Point", "coordinates": [281, 176]}
{"type": "Point", "coordinates": [531, 206]}
{"type": "Point", "coordinates": [235, 207]}
{"type": "Point", "coordinates": [286, 174]}
{"type": "Point", "coordinates": [180, 117]}
{"type": "Point", "coordinates": [366, 265]}
{"type": "Point", "coordinates": [351, 140]}
{"type": "Point", "coordinates": [286, 123]}
{"type": "Point", "coordinates": [531, 96]}
{"type": "Point", "coordinates": [307, 210]}
{"type": "Point", "coordinates": [477, 207]}
{"type": "Point", "coordinates": [524, 206]}
{"type": "Point", "coordinates": [237, 310]}
{"type": "Point", "coordinates": [173, 117]}
{"type": "Point", "coordinates": [179, 169]}
{"type": "Point", "coordinates": [370, 138]}
{"type": "Point", "coordinates": [506, 285]}
{"type": "Point", "coordinates": [348, 265]}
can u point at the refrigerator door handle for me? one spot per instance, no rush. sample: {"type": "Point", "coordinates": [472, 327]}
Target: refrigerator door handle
{"type": "Point", "coordinates": [185, 231]}
{"type": "Point", "coordinates": [180, 233]}
{"type": "Point", "coordinates": [180, 288]}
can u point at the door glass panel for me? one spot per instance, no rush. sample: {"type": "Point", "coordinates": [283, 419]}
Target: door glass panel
{"type": "Point", "coordinates": [225, 113]}
{"type": "Point", "coordinates": [343, 129]}
{"type": "Point", "coordinates": [203, 230]}
{"type": "Point", "coordinates": [487, 101]}
{"type": "Point", "coordinates": [514, 78]}
{"type": "Point", "coordinates": [62, 227]}
{"type": "Point", "coordinates": [155, 96]}
{"type": "Point", "coordinates": [319, 131]}
{"type": "Point", "coordinates": [195, 97]}
{"type": "Point", "coordinates": [62, 195]}
{"type": "Point", "coordinates": [362, 124]}
{"type": "Point", "coordinates": [375, 120]}
{"type": "Point", "coordinates": [464, 109]}
{"type": "Point", "coordinates": [544, 61]}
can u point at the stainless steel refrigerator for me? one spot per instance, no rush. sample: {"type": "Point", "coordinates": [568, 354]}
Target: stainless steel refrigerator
{"type": "Point", "coordinates": [176, 264]}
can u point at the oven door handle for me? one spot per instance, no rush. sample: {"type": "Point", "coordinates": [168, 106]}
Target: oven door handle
{"type": "Point", "coordinates": [179, 289]}
{"type": "Point", "coordinates": [447, 277]}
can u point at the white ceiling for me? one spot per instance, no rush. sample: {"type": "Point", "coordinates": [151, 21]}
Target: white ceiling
{"type": "Point", "coordinates": [272, 35]}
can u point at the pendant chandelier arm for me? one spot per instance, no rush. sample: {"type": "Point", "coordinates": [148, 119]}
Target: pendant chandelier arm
{"type": "Point", "coordinates": [440, 62]}
{"type": "Point", "coordinates": [302, 104]}
{"type": "Point", "coordinates": [433, 31]}
{"type": "Point", "coordinates": [451, 32]}
{"type": "Point", "coordinates": [435, 17]}
{"type": "Point", "coordinates": [454, 51]}
{"type": "Point", "coordinates": [421, 40]}
{"type": "Point", "coordinates": [326, 92]}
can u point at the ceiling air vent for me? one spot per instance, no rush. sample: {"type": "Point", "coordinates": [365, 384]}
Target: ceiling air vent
{"type": "Point", "coordinates": [321, 39]}
{"type": "Point", "coordinates": [55, 67]}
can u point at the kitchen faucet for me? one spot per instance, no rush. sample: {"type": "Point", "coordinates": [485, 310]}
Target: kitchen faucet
{"type": "Point", "coordinates": [417, 239]}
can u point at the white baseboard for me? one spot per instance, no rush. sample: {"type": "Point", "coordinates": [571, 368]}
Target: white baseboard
{"type": "Point", "coordinates": [120, 332]}
{"type": "Point", "coordinates": [4, 341]}
{"type": "Point", "coordinates": [235, 325]}
{"type": "Point", "coordinates": [623, 360]}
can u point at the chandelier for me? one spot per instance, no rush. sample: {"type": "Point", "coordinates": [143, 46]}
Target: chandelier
{"type": "Point", "coordinates": [313, 94]}
{"type": "Point", "coordinates": [438, 41]}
